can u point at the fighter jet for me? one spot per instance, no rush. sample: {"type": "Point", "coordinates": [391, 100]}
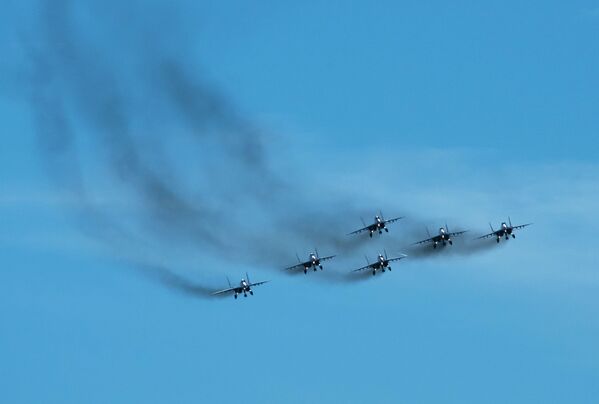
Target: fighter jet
{"type": "Point", "coordinates": [444, 237]}
{"type": "Point", "coordinates": [380, 224]}
{"type": "Point", "coordinates": [314, 261]}
{"type": "Point", "coordinates": [505, 230]}
{"type": "Point", "coordinates": [381, 263]}
{"type": "Point", "coordinates": [245, 287]}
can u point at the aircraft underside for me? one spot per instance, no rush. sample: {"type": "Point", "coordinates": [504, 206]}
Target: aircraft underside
{"type": "Point", "coordinates": [314, 267]}
{"type": "Point", "coordinates": [382, 269]}
{"type": "Point", "coordinates": [380, 230]}
{"type": "Point", "coordinates": [443, 241]}
{"type": "Point", "coordinates": [507, 236]}
{"type": "Point", "coordinates": [245, 293]}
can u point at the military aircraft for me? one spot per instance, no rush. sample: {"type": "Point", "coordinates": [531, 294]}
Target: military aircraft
{"type": "Point", "coordinates": [444, 237]}
{"type": "Point", "coordinates": [314, 261]}
{"type": "Point", "coordinates": [245, 287]}
{"type": "Point", "coordinates": [381, 263]}
{"type": "Point", "coordinates": [380, 224]}
{"type": "Point", "coordinates": [506, 230]}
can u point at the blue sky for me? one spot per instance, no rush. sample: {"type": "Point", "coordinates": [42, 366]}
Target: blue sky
{"type": "Point", "coordinates": [464, 113]}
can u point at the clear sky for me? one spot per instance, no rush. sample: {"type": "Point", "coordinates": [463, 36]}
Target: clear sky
{"type": "Point", "coordinates": [149, 150]}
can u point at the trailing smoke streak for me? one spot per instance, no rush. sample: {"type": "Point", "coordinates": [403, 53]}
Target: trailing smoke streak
{"type": "Point", "coordinates": [68, 86]}
{"type": "Point", "coordinates": [56, 139]}
{"type": "Point", "coordinates": [76, 100]}
{"type": "Point", "coordinates": [105, 110]}
{"type": "Point", "coordinates": [177, 282]}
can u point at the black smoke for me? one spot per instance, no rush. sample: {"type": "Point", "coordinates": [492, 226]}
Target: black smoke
{"type": "Point", "coordinates": [193, 177]}
{"type": "Point", "coordinates": [95, 119]}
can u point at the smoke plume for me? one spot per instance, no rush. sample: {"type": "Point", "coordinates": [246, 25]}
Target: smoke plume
{"type": "Point", "coordinates": [190, 177]}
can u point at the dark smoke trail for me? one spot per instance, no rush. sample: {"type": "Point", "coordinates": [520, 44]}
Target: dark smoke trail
{"type": "Point", "coordinates": [177, 282]}
{"type": "Point", "coordinates": [78, 99]}
{"type": "Point", "coordinates": [194, 174]}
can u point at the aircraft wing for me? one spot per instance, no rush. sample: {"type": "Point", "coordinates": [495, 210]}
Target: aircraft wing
{"type": "Point", "coordinates": [330, 257]}
{"type": "Point", "coordinates": [359, 230]}
{"type": "Point", "coordinates": [520, 226]}
{"type": "Point", "coordinates": [456, 233]}
{"type": "Point", "coordinates": [397, 258]}
{"type": "Point", "coordinates": [220, 292]}
{"type": "Point", "coordinates": [487, 235]}
{"type": "Point", "coordinates": [258, 283]}
{"type": "Point", "coordinates": [394, 219]}
{"type": "Point", "coordinates": [365, 267]}
{"type": "Point", "coordinates": [428, 240]}
{"type": "Point", "coordinates": [301, 265]}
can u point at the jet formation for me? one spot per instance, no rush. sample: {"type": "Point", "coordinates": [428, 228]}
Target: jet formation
{"type": "Point", "coordinates": [382, 262]}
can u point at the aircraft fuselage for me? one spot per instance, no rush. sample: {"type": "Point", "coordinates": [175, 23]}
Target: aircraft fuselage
{"type": "Point", "coordinates": [313, 262]}
{"type": "Point", "coordinates": [505, 231]}
{"type": "Point", "coordinates": [381, 264]}
{"type": "Point", "coordinates": [244, 287]}
{"type": "Point", "coordinates": [378, 225]}
{"type": "Point", "coordinates": [443, 237]}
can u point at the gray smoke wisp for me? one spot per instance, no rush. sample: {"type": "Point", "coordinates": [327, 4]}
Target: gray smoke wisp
{"type": "Point", "coordinates": [176, 282]}
{"type": "Point", "coordinates": [87, 121]}
{"type": "Point", "coordinates": [192, 177]}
